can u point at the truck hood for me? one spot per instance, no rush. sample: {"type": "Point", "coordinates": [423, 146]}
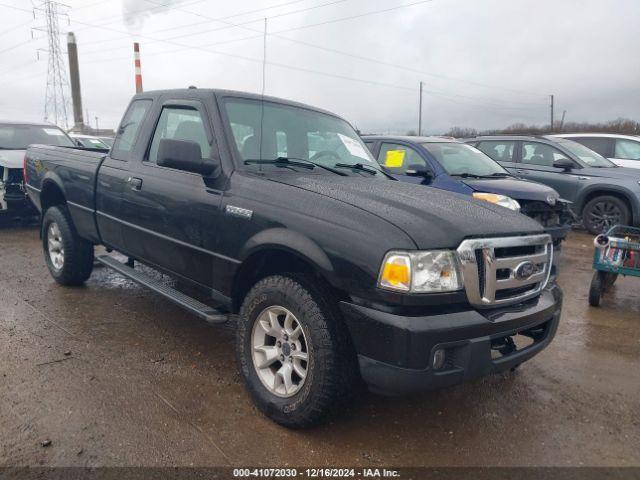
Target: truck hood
{"type": "Point", "coordinates": [12, 158]}
{"type": "Point", "coordinates": [433, 218]}
{"type": "Point", "coordinates": [514, 188]}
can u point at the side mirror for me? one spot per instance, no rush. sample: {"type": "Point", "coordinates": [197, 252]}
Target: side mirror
{"type": "Point", "coordinates": [418, 171]}
{"type": "Point", "coordinates": [564, 163]}
{"type": "Point", "coordinates": [184, 155]}
{"type": "Point", "coordinates": [78, 143]}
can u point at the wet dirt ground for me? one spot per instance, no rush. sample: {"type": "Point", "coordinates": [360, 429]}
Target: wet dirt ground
{"type": "Point", "coordinates": [111, 374]}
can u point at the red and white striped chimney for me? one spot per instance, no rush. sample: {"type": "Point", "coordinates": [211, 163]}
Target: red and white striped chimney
{"type": "Point", "coordinates": [136, 56]}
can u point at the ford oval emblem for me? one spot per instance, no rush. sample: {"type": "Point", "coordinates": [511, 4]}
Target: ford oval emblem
{"type": "Point", "coordinates": [525, 270]}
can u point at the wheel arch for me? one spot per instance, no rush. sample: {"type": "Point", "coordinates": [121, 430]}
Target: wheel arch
{"type": "Point", "coordinates": [52, 193]}
{"type": "Point", "coordinates": [278, 251]}
{"type": "Point", "coordinates": [618, 192]}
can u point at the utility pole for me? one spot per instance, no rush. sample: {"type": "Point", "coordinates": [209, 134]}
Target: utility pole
{"type": "Point", "coordinates": [564, 112]}
{"type": "Point", "coordinates": [420, 112]}
{"type": "Point", "coordinates": [97, 126]}
{"type": "Point", "coordinates": [551, 114]}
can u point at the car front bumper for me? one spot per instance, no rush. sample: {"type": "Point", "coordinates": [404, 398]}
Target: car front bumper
{"type": "Point", "coordinates": [396, 352]}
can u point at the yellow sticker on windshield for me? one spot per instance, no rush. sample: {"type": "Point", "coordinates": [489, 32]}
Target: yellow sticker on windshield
{"type": "Point", "coordinates": [394, 158]}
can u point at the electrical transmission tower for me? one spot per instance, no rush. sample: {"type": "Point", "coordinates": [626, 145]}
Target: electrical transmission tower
{"type": "Point", "coordinates": [56, 104]}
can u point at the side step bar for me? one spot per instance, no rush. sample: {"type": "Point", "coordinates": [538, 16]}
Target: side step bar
{"type": "Point", "coordinates": [203, 311]}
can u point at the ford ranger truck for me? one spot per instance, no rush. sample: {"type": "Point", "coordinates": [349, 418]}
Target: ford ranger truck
{"type": "Point", "coordinates": [330, 270]}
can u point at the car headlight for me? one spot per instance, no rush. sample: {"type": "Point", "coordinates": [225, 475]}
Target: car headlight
{"type": "Point", "coordinates": [420, 272]}
{"type": "Point", "coordinates": [501, 200]}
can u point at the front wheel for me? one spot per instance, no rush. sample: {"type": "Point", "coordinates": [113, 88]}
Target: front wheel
{"type": "Point", "coordinates": [294, 351]}
{"type": "Point", "coordinates": [596, 289]}
{"type": "Point", "coordinates": [602, 213]}
{"type": "Point", "coordinates": [68, 256]}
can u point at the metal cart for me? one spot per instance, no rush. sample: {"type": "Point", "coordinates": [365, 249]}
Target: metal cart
{"type": "Point", "coordinates": [617, 253]}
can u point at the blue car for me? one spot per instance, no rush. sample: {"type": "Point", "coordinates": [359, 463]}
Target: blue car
{"type": "Point", "coordinates": [457, 167]}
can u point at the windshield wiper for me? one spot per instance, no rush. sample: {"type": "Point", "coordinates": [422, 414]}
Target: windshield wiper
{"type": "Point", "coordinates": [363, 168]}
{"type": "Point", "coordinates": [292, 162]}
{"type": "Point", "coordinates": [466, 175]}
{"type": "Point", "coordinates": [498, 175]}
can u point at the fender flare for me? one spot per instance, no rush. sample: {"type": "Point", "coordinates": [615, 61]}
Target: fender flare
{"type": "Point", "coordinates": [289, 241]}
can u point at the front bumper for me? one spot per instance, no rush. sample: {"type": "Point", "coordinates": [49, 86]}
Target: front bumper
{"type": "Point", "coordinates": [395, 352]}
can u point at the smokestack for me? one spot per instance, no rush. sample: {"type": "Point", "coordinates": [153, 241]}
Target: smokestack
{"type": "Point", "coordinates": [136, 56]}
{"type": "Point", "coordinates": [74, 73]}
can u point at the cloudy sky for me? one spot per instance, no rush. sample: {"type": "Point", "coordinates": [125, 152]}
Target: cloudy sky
{"type": "Point", "coordinates": [484, 63]}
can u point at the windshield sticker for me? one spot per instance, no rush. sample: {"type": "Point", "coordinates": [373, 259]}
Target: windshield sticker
{"type": "Point", "coordinates": [394, 158]}
{"type": "Point", "coordinates": [354, 147]}
{"type": "Point", "coordinates": [54, 131]}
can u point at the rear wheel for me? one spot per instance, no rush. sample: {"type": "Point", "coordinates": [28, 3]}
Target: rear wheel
{"type": "Point", "coordinates": [294, 351]}
{"type": "Point", "coordinates": [602, 213]}
{"type": "Point", "coordinates": [68, 256]}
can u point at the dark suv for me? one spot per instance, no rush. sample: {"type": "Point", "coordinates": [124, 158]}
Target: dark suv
{"type": "Point", "coordinates": [602, 193]}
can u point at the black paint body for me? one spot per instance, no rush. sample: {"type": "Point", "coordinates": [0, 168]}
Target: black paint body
{"type": "Point", "coordinates": [340, 226]}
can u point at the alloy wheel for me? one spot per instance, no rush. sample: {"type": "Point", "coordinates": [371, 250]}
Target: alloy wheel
{"type": "Point", "coordinates": [280, 352]}
{"type": "Point", "coordinates": [604, 215]}
{"type": "Point", "coordinates": [55, 247]}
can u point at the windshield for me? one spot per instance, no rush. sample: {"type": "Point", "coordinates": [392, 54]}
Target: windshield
{"type": "Point", "coordinates": [90, 142]}
{"type": "Point", "coordinates": [587, 157]}
{"type": "Point", "coordinates": [461, 159]}
{"type": "Point", "coordinates": [19, 137]}
{"type": "Point", "coordinates": [295, 133]}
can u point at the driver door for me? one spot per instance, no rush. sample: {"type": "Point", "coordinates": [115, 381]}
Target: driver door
{"type": "Point", "coordinates": [165, 208]}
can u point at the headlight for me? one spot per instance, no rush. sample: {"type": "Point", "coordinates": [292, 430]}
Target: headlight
{"type": "Point", "coordinates": [501, 200]}
{"type": "Point", "coordinates": [420, 272]}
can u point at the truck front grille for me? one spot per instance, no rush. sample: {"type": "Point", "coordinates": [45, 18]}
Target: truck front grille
{"type": "Point", "coordinates": [499, 271]}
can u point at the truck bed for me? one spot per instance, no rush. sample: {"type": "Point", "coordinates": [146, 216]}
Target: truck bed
{"type": "Point", "coordinates": [72, 170]}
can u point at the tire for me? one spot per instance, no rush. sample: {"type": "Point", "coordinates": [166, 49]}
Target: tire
{"type": "Point", "coordinates": [330, 369]}
{"type": "Point", "coordinates": [596, 289]}
{"type": "Point", "coordinates": [68, 257]}
{"type": "Point", "coordinates": [602, 213]}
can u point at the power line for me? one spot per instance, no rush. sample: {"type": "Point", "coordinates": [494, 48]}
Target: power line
{"type": "Point", "coordinates": [231, 25]}
{"type": "Point", "coordinates": [12, 47]}
{"type": "Point", "coordinates": [339, 52]}
{"type": "Point", "coordinates": [28, 22]}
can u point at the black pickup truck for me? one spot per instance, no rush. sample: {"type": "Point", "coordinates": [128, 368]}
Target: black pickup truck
{"type": "Point", "coordinates": [331, 270]}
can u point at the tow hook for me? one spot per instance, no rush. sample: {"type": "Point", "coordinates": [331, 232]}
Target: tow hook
{"type": "Point", "coordinates": [504, 345]}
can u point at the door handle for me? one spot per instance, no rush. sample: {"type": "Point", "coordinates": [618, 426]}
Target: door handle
{"type": "Point", "coordinates": [136, 183]}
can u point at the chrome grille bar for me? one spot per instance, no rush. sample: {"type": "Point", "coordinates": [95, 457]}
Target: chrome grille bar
{"type": "Point", "coordinates": [502, 272]}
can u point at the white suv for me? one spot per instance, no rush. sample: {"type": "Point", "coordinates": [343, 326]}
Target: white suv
{"type": "Point", "coordinates": [623, 150]}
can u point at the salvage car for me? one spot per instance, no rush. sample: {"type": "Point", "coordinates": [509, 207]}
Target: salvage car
{"type": "Point", "coordinates": [451, 165]}
{"type": "Point", "coordinates": [329, 270]}
{"type": "Point", "coordinates": [603, 194]}
{"type": "Point", "coordinates": [14, 139]}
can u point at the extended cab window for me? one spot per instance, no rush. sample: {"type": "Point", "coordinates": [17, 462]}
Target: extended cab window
{"type": "Point", "coordinates": [180, 123]}
{"type": "Point", "coordinates": [627, 150]}
{"type": "Point", "coordinates": [398, 158]}
{"type": "Point", "coordinates": [535, 153]}
{"type": "Point", "coordinates": [128, 130]}
{"type": "Point", "coordinates": [500, 151]}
